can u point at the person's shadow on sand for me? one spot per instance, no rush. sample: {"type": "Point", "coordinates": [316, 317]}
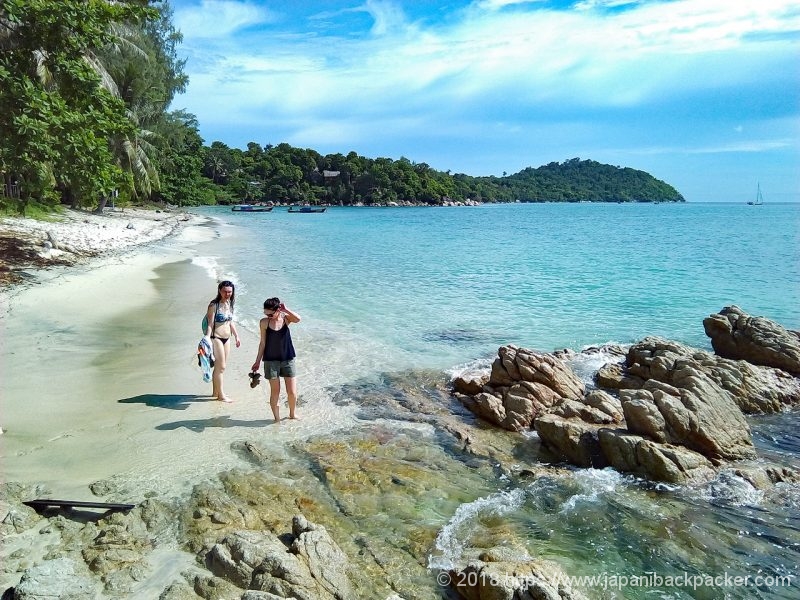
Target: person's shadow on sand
{"type": "Point", "coordinates": [199, 425]}
{"type": "Point", "coordinates": [172, 401]}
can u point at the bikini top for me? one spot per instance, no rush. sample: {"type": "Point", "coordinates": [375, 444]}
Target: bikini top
{"type": "Point", "coordinates": [222, 317]}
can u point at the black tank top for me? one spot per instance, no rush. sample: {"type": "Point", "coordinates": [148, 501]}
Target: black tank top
{"type": "Point", "coordinates": [279, 344]}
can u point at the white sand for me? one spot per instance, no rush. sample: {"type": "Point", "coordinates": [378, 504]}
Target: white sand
{"type": "Point", "coordinates": [100, 382]}
{"type": "Point", "coordinates": [82, 232]}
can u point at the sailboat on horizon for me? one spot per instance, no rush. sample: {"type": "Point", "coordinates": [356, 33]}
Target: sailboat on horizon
{"type": "Point", "coordinates": [759, 198]}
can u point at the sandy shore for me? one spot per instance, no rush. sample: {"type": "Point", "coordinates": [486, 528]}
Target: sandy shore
{"type": "Point", "coordinates": [94, 352]}
{"type": "Point", "coordinates": [101, 397]}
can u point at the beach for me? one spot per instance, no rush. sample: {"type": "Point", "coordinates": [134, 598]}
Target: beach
{"type": "Point", "coordinates": [93, 354]}
{"type": "Point", "coordinates": [102, 399]}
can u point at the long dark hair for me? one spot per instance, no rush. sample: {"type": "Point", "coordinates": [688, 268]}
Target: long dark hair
{"type": "Point", "coordinates": [221, 285]}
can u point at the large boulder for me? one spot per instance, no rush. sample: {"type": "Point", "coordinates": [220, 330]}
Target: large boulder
{"type": "Point", "coordinates": [496, 577]}
{"type": "Point", "coordinates": [522, 385]}
{"type": "Point", "coordinates": [695, 413]}
{"type": "Point", "coordinates": [58, 579]}
{"type": "Point", "coordinates": [679, 419]}
{"type": "Point", "coordinates": [631, 453]}
{"type": "Point", "coordinates": [571, 428]}
{"type": "Point", "coordinates": [312, 567]}
{"type": "Point", "coordinates": [735, 334]}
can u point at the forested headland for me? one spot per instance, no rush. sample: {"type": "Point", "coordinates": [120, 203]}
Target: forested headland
{"type": "Point", "coordinates": [86, 90]}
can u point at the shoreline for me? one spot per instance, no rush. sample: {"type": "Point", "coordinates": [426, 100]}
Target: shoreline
{"type": "Point", "coordinates": [106, 383]}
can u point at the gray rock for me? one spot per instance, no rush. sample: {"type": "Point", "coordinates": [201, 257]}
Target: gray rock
{"type": "Point", "coordinates": [240, 553]}
{"type": "Point", "coordinates": [573, 439]}
{"type": "Point", "coordinates": [326, 561]}
{"type": "Point", "coordinates": [631, 453]}
{"type": "Point", "coordinates": [531, 580]}
{"type": "Point", "coordinates": [754, 389]}
{"type": "Point", "coordinates": [59, 579]}
{"type": "Point", "coordinates": [313, 567]}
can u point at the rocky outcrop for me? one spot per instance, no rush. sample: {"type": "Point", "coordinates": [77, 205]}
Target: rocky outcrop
{"type": "Point", "coordinates": [678, 415]}
{"type": "Point", "coordinates": [695, 413]}
{"type": "Point", "coordinates": [736, 335]}
{"type": "Point", "coordinates": [754, 389]}
{"type": "Point", "coordinates": [631, 453]}
{"type": "Point", "coordinates": [522, 385]}
{"type": "Point", "coordinates": [571, 428]}
{"type": "Point", "coordinates": [61, 578]}
{"type": "Point", "coordinates": [312, 567]}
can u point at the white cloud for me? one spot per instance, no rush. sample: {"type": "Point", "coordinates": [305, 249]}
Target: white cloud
{"type": "Point", "coordinates": [216, 19]}
{"type": "Point", "coordinates": [515, 78]}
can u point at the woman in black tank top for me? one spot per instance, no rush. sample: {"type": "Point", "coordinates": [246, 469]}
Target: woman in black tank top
{"type": "Point", "coordinates": [276, 351]}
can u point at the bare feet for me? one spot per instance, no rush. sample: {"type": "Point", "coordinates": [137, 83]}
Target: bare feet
{"type": "Point", "coordinates": [293, 417]}
{"type": "Point", "coordinates": [225, 399]}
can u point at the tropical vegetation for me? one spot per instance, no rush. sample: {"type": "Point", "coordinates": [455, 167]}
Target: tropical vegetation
{"type": "Point", "coordinates": [86, 88]}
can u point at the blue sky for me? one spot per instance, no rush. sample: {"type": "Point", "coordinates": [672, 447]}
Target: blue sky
{"type": "Point", "coordinates": [704, 94]}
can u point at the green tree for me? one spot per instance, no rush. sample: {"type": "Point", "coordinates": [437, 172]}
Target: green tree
{"type": "Point", "coordinates": [57, 117]}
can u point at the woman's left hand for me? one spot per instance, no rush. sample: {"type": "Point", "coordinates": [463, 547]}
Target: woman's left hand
{"type": "Point", "coordinates": [238, 343]}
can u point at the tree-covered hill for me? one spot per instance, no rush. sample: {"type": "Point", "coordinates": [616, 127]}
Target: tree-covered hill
{"type": "Point", "coordinates": [284, 173]}
{"type": "Point", "coordinates": [575, 180]}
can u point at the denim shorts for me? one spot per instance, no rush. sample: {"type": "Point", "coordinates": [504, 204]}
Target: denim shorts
{"type": "Point", "coordinates": [278, 368]}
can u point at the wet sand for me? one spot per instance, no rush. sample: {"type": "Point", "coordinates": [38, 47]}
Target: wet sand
{"type": "Point", "coordinates": [100, 381]}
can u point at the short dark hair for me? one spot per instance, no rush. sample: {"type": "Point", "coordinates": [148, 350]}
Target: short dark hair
{"type": "Point", "coordinates": [272, 303]}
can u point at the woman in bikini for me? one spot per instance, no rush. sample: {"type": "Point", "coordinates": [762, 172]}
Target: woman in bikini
{"type": "Point", "coordinates": [220, 328]}
{"type": "Point", "coordinates": [277, 352]}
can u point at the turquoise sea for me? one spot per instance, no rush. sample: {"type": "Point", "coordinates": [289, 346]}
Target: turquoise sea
{"type": "Point", "coordinates": [391, 291]}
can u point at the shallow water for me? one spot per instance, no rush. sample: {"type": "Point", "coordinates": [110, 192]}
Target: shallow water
{"type": "Point", "coordinates": [383, 290]}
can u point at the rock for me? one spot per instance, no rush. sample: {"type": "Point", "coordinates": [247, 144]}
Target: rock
{"type": "Point", "coordinates": [239, 554]}
{"type": "Point", "coordinates": [614, 376]}
{"type": "Point", "coordinates": [736, 335]}
{"type": "Point", "coordinates": [213, 588]}
{"type": "Point", "coordinates": [754, 389]}
{"type": "Point", "coordinates": [326, 561]}
{"type": "Point", "coordinates": [627, 452]}
{"type": "Point", "coordinates": [573, 439]}
{"type": "Point", "coordinates": [522, 385]}
{"type": "Point", "coordinates": [59, 579]}
{"type": "Point", "coordinates": [53, 240]}
{"type": "Point", "coordinates": [471, 385]}
{"type": "Point", "coordinates": [535, 579]}
{"type": "Point", "coordinates": [696, 414]}
{"type": "Point", "coordinates": [129, 226]}
{"type": "Point", "coordinates": [178, 591]}
{"type": "Point", "coordinates": [312, 567]}
{"type": "Point", "coordinates": [256, 595]}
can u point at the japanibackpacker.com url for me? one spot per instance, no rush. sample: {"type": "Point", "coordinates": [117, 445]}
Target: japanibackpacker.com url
{"type": "Point", "coordinates": [615, 581]}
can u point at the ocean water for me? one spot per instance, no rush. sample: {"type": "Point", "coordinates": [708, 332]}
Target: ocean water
{"type": "Point", "coordinates": [398, 290]}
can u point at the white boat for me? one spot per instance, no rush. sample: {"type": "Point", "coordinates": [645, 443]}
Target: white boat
{"type": "Point", "coordinates": [759, 198]}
